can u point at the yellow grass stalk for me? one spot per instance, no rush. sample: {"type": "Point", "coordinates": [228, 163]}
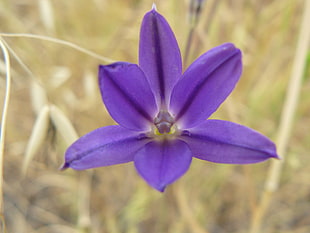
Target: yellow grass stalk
{"type": "Point", "coordinates": [3, 124]}
{"type": "Point", "coordinates": [37, 137]}
{"type": "Point", "coordinates": [90, 85]}
{"type": "Point", "coordinates": [287, 118]}
{"type": "Point", "coordinates": [84, 191]}
{"type": "Point", "coordinates": [47, 14]}
{"type": "Point", "coordinates": [186, 212]}
{"type": "Point", "coordinates": [17, 58]}
{"type": "Point", "coordinates": [59, 41]}
{"type": "Point", "coordinates": [63, 125]}
{"type": "Point", "coordinates": [38, 97]}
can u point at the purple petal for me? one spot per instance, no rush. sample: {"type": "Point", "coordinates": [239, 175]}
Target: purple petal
{"type": "Point", "coordinates": [127, 95]}
{"type": "Point", "coordinates": [205, 85]}
{"type": "Point", "coordinates": [226, 142]}
{"type": "Point", "coordinates": [103, 147]}
{"type": "Point", "coordinates": [162, 162]}
{"type": "Point", "coordinates": [159, 55]}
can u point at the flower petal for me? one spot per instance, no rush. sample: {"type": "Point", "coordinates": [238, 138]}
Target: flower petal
{"type": "Point", "coordinates": [127, 95]}
{"type": "Point", "coordinates": [162, 162]}
{"type": "Point", "coordinates": [103, 147]}
{"type": "Point", "coordinates": [205, 85]}
{"type": "Point", "coordinates": [159, 56]}
{"type": "Point", "coordinates": [226, 142]}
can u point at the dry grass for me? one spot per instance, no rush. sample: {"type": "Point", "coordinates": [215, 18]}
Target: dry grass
{"type": "Point", "coordinates": [58, 82]}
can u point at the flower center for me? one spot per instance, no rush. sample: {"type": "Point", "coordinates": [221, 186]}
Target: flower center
{"type": "Point", "coordinates": [164, 123]}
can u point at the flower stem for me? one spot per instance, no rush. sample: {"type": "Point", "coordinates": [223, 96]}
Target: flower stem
{"type": "Point", "coordinates": [286, 122]}
{"type": "Point", "coordinates": [3, 125]}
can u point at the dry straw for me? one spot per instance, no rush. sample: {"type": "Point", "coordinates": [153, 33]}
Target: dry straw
{"type": "Point", "coordinates": [63, 125]}
{"type": "Point", "coordinates": [84, 192]}
{"type": "Point", "coordinates": [287, 119]}
{"type": "Point", "coordinates": [17, 58]}
{"type": "Point", "coordinates": [41, 126]}
{"type": "Point", "coordinates": [46, 114]}
{"type": "Point", "coordinates": [37, 137]}
{"type": "Point", "coordinates": [38, 97]}
{"type": "Point", "coordinates": [3, 123]}
{"type": "Point", "coordinates": [59, 41]}
{"type": "Point", "coordinates": [186, 211]}
{"type": "Point", "coordinates": [47, 14]}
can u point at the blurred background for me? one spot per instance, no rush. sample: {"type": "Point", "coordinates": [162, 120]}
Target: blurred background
{"type": "Point", "coordinates": [55, 98]}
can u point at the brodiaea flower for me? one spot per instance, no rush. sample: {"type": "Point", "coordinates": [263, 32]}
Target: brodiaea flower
{"type": "Point", "coordinates": [162, 113]}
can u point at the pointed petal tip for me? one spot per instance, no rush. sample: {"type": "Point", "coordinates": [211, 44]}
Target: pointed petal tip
{"type": "Point", "coordinates": [226, 142]}
{"type": "Point", "coordinates": [159, 55]}
{"type": "Point", "coordinates": [115, 65]}
{"type": "Point", "coordinates": [154, 8]}
{"type": "Point", "coordinates": [232, 47]}
{"type": "Point", "coordinates": [272, 154]}
{"type": "Point", "coordinates": [65, 166]}
{"type": "Point", "coordinates": [276, 156]}
{"type": "Point", "coordinates": [268, 156]}
{"type": "Point", "coordinates": [228, 45]}
{"type": "Point", "coordinates": [160, 189]}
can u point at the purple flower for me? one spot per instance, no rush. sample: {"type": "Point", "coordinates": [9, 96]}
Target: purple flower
{"type": "Point", "coordinates": [162, 113]}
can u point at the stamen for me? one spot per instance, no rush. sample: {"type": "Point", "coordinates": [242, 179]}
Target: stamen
{"type": "Point", "coordinates": [163, 122]}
